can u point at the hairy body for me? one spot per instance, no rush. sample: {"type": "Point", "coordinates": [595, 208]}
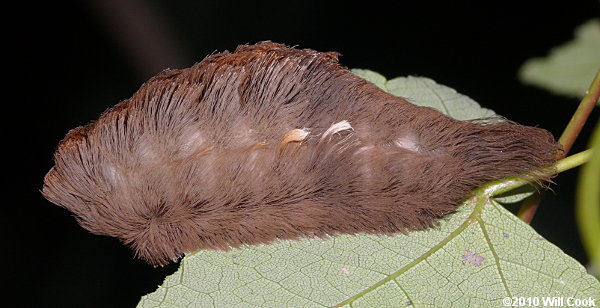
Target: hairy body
{"type": "Point", "coordinates": [273, 142]}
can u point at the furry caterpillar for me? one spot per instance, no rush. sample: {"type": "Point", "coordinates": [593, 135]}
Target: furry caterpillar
{"type": "Point", "coordinates": [273, 142]}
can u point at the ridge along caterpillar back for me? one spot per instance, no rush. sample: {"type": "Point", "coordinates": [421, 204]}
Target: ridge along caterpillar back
{"type": "Point", "coordinates": [271, 142]}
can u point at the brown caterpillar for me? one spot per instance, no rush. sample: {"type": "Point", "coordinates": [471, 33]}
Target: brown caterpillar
{"type": "Point", "coordinates": [273, 142]}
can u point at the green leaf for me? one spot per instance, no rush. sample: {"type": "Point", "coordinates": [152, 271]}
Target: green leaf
{"type": "Point", "coordinates": [516, 195]}
{"type": "Point", "coordinates": [426, 92]}
{"type": "Point", "coordinates": [476, 256]}
{"type": "Point", "coordinates": [588, 203]}
{"type": "Point", "coordinates": [569, 67]}
{"type": "Point", "coordinates": [375, 78]}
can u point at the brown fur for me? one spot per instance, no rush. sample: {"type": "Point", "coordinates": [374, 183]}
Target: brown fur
{"type": "Point", "coordinates": [242, 148]}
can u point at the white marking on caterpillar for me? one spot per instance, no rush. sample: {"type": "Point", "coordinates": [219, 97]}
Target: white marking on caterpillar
{"type": "Point", "coordinates": [408, 143]}
{"type": "Point", "coordinates": [252, 158]}
{"type": "Point", "coordinates": [146, 150]}
{"type": "Point", "coordinates": [192, 143]}
{"type": "Point", "coordinates": [243, 134]}
{"type": "Point", "coordinates": [112, 174]}
{"type": "Point", "coordinates": [365, 148]}
{"type": "Point", "coordinates": [336, 128]}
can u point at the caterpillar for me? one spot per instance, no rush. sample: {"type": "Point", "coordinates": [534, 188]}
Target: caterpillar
{"type": "Point", "coordinates": [272, 142]}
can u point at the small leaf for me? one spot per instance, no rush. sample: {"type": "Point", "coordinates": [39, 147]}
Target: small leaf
{"type": "Point", "coordinates": [376, 78]}
{"type": "Point", "coordinates": [516, 195]}
{"type": "Point", "coordinates": [475, 257]}
{"type": "Point", "coordinates": [426, 92]}
{"type": "Point", "coordinates": [569, 67]}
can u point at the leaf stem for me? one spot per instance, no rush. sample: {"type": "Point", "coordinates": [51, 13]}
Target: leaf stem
{"type": "Point", "coordinates": [530, 205]}
{"type": "Point", "coordinates": [573, 161]}
{"type": "Point", "coordinates": [510, 183]}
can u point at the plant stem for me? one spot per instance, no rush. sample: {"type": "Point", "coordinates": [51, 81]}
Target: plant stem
{"type": "Point", "coordinates": [510, 183]}
{"type": "Point", "coordinates": [573, 161]}
{"type": "Point", "coordinates": [581, 114]}
{"type": "Point", "coordinates": [530, 205]}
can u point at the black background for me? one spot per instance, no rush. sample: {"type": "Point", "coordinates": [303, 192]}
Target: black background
{"type": "Point", "coordinates": [70, 61]}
